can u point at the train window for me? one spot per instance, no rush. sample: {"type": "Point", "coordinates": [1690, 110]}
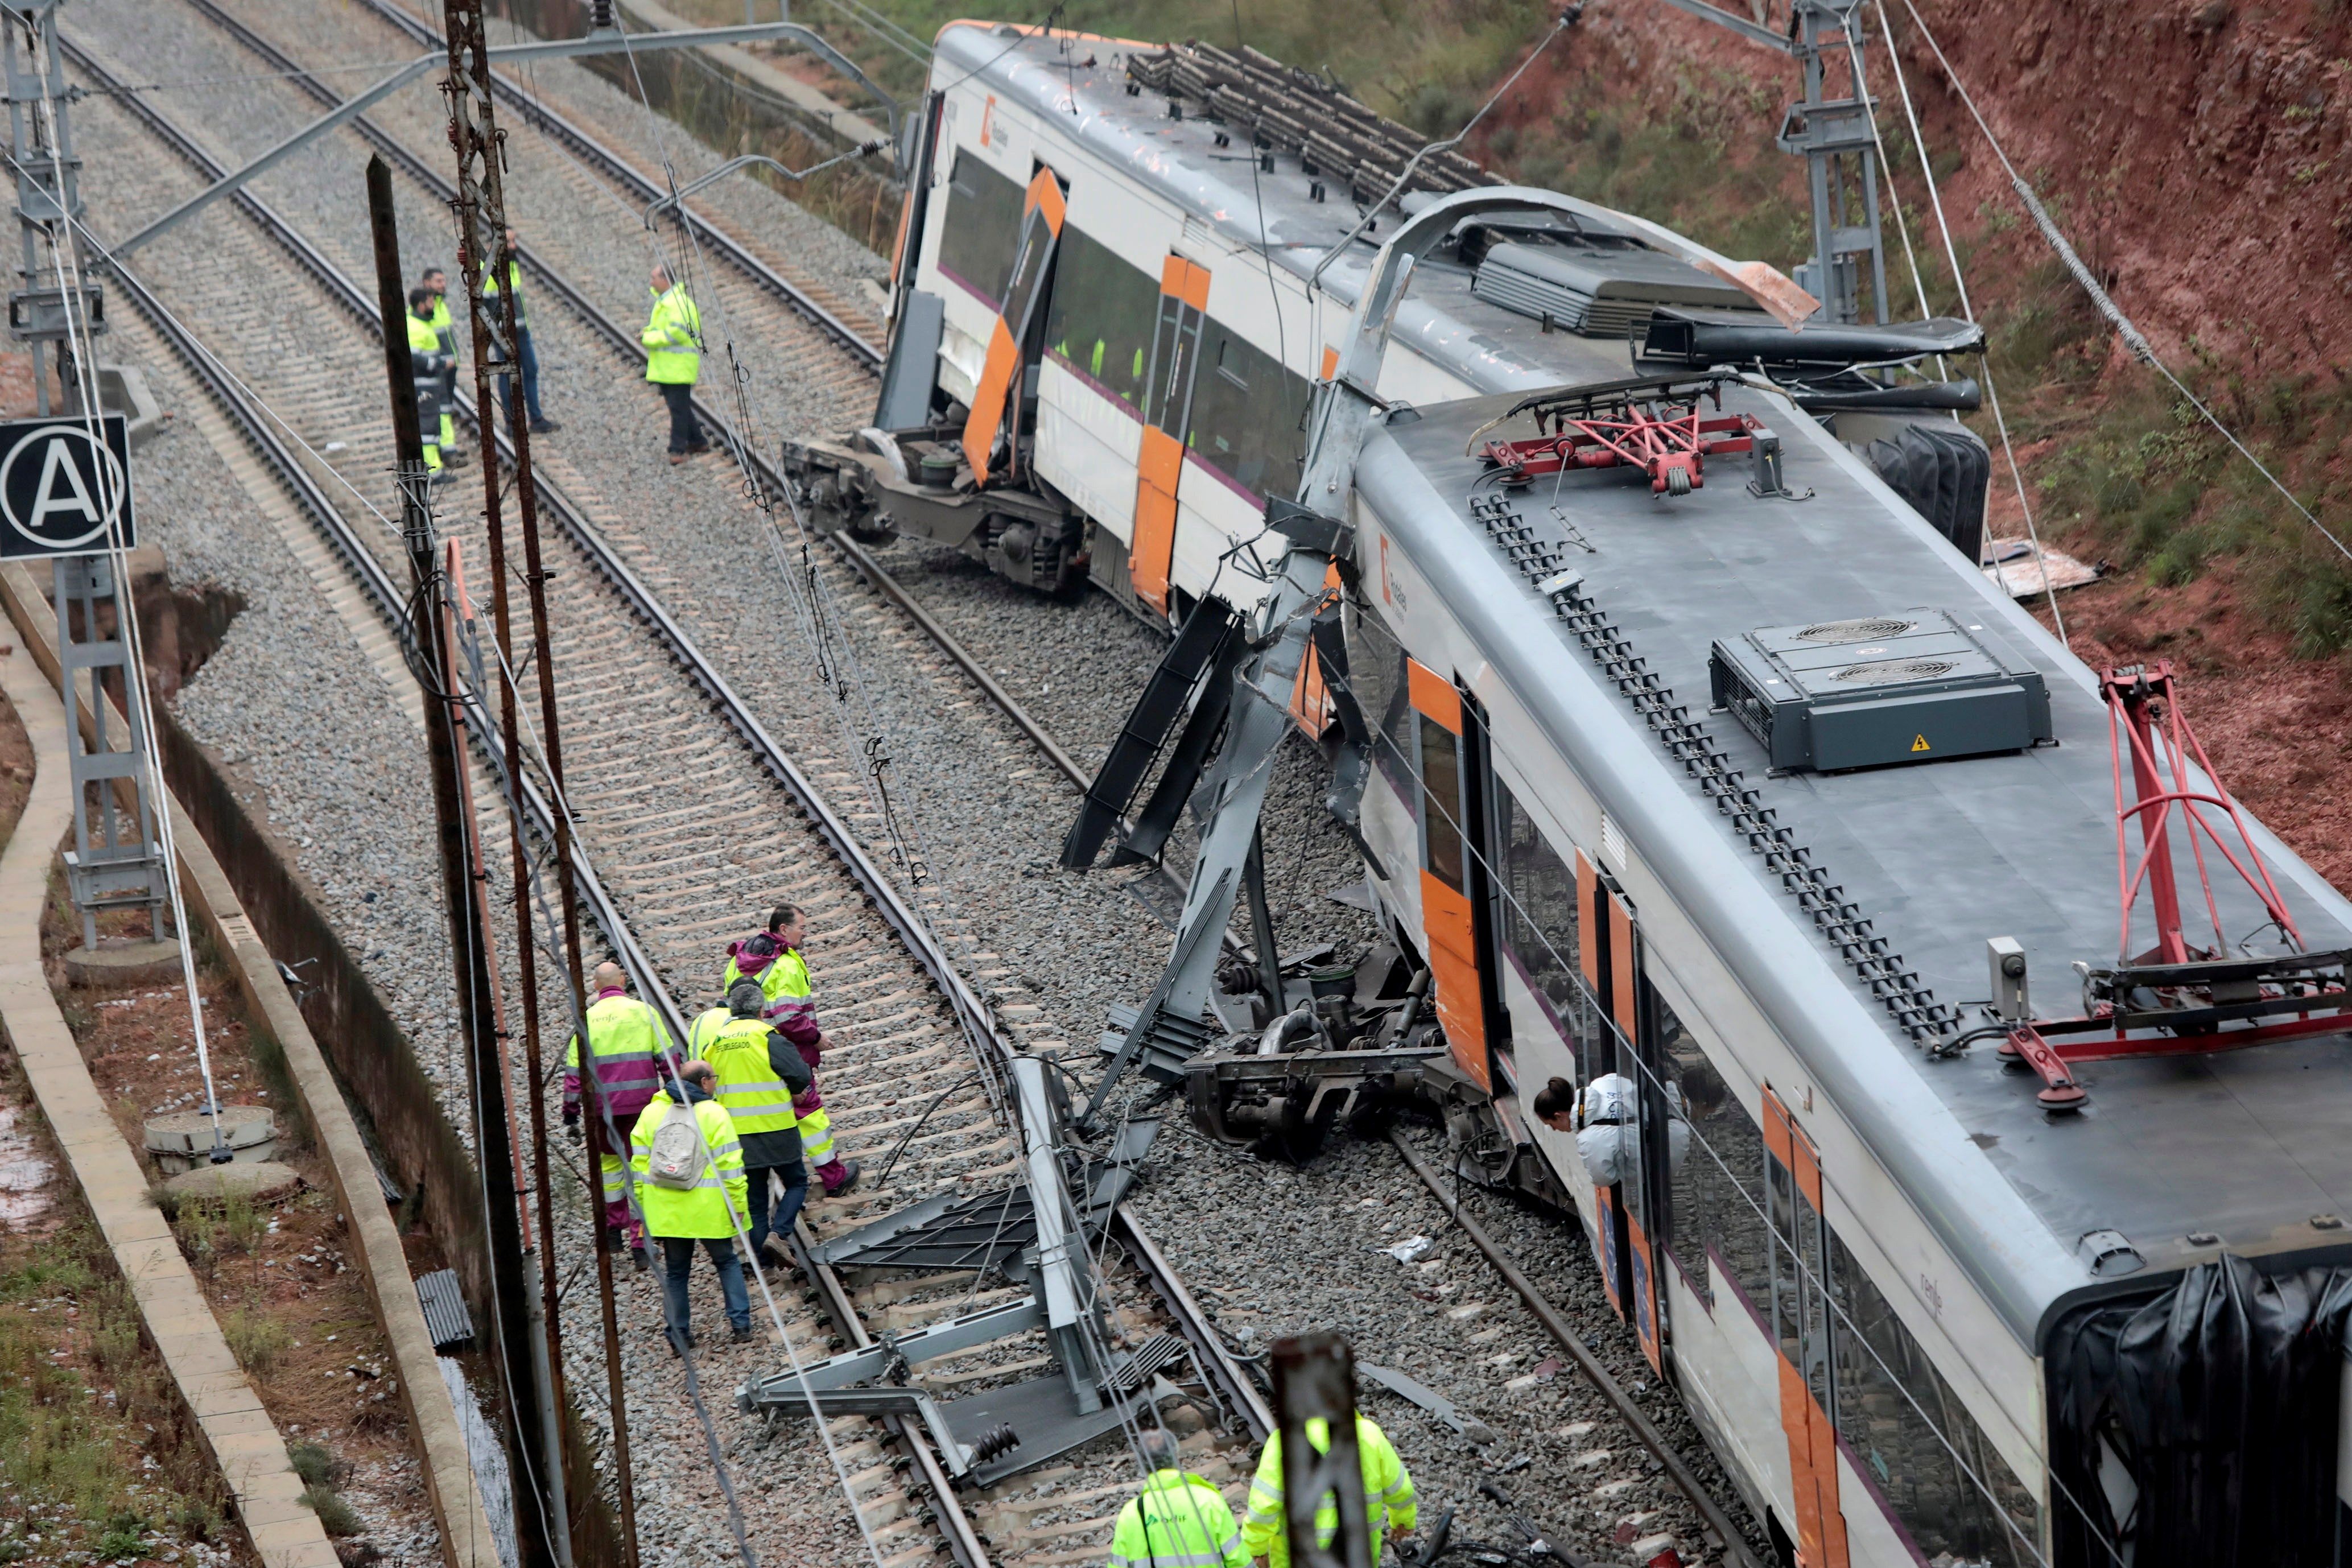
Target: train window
{"type": "Point", "coordinates": [1246, 416]}
{"type": "Point", "coordinates": [1704, 1197]}
{"type": "Point", "coordinates": [1100, 322]}
{"type": "Point", "coordinates": [1441, 826]}
{"type": "Point", "coordinates": [1539, 925]}
{"type": "Point", "coordinates": [1884, 1382]}
{"type": "Point", "coordinates": [982, 228]}
{"type": "Point", "coordinates": [1376, 672]}
{"type": "Point", "coordinates": [1798, 1311]}
{"type": "Point", "coordinates": [1030, 264]}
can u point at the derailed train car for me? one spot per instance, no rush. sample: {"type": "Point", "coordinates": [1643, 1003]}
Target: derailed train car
{"type": "Point", "coordinates": [1961, 1072]}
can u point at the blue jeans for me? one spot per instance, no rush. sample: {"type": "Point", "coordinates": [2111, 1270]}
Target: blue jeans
{"type": "Point", "coordinates": [794, 1177]}
{"type": "Point", "coordinates": [530, 358]}
{"type": "Point", "coordinates": [678, 1257]}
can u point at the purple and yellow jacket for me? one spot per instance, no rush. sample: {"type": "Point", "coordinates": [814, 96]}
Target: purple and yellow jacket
{"type": "Point", "coordinates": [627, 1042]}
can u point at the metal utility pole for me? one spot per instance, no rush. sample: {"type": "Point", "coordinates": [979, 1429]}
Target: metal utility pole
{"type": "Point", "coordinates": [117, 860]}
{"type": "Point", "coordinates": [469, 938]}
{"type": "Point", "coordinates": [484, 255]}
{"type": "Point", "coordinates": [1314, 1379]}
{"type": "Point", "coordinates": [1834, 135]}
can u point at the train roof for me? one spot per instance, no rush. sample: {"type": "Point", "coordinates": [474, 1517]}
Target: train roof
{"type": "Point", "coordinates": [1940, 855]}
{"type": "Point", "coordinates": [1490, 348]}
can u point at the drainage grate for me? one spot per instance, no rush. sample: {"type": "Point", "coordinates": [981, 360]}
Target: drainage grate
{"type": "Point", "coordinates": [446, 1318]}
{"type": "Point", "coordinates": [1864, 630]}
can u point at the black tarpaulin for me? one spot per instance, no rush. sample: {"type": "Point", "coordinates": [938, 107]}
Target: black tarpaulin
{"type": "Point", "coordinates": [2219, 1395]}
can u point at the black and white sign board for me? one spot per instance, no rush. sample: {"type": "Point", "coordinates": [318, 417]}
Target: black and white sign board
{"type": "Point", "coordinates": [61, 493]}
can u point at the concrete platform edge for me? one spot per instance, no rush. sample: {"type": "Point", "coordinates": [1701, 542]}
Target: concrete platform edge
{"type": "Point", "coordinates": [466, 1540]}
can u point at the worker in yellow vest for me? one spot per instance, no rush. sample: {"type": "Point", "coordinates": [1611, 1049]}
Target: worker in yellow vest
{"type": "Point", "coordinates": [773, 959]}
{"type": "Point", "coordinates": [1388, 1494]}
{"type": "Point", "coordinates": [426, 364]}
{"type": "Point", "coordinates": [526, 356]}
{"type": "Point", "coordinates": [759, 1073]}
{"type": "Point", "coordinates": [629, 1056]}
{"type": "Point", "coordinates": [704, 1204]}
{"type": "Point", "coordinates": [1176, 1517]}
{"type": "Point", "coordinates": [673, 343]}
{"type": "Point", "coordinates": [438, 281]}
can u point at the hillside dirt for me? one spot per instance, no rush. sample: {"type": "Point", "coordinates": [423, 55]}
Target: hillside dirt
{"type": "Point", "coordinates": [2195, 152]}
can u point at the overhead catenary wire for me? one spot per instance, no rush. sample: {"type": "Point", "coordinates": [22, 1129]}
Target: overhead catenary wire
{"type": "Point", "coordinates": [2134, 340]}
{"type": "Point", "coordinates": [1960, 285]}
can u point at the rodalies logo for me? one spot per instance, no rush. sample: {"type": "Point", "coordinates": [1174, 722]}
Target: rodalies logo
{"type": "Point", "coordinates": [63, 492]}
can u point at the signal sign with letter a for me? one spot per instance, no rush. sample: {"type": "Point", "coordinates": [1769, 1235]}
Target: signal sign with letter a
{"type": "Point", "coordinates": [61, 491]}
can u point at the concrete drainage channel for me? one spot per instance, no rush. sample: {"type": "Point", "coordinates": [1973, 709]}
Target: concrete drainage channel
{"type": "Point", "coordinates": [249, 903]}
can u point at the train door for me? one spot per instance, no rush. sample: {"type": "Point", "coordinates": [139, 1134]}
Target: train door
{"type": "Point", "coordinates": [1167, 412]}
{"type": "Point", "coordinates": [1452, 883]}
{"type": "Point", "coordinates": [1792, 1202]}
{"type": "Point", "coordinates": [1020, 322]}
{"type": "Point", "coordinates": [1625, 1223]}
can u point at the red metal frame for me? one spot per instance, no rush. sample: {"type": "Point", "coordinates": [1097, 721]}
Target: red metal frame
{"type": "Point", "coordinates": [1670, 443]}
{"type": "Point", "coordinates": [2132, 694]}
{"type": "Point", "coordinates": [2145, 719]}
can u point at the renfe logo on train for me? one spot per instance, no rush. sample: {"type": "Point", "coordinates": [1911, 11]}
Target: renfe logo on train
{"type": "Point", "coordinates": [62, 492]}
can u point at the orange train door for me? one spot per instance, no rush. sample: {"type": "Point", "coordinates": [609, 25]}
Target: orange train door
{"type": "Point", "coordinates": [1017, 322]}
{"type": "Point", "coordinates": [1167, 412]}
{"type": "Point", "coordinates": [1605, 953]}
{"type": "Point", "coordinates": [1447, 919]}
{"type": "Point", "coordinates": [1793, 1199]}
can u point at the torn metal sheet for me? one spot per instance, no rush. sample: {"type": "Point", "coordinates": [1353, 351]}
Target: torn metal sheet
{"type": "Point", "coordinates": [2011, 564]}
{"type": "Point", "coordinates": [1429, 1399]}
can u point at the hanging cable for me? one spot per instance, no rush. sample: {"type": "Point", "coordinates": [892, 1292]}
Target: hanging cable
{"type": "Point", "coordinates": [2133, 339]}
{"type": "Point", "coordinates": [137, 693]}
{"type": "Point", "coordinates": [1960, 283]}
{"type": "Point", "coordinates": [1498, 879]}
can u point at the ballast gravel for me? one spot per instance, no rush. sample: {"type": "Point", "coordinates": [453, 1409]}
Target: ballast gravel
{"type": "Point", "coordinates": [292, 700]}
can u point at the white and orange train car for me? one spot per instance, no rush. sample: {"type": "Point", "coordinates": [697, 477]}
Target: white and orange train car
{"type": "Point", "coordinates": [1757, 817]}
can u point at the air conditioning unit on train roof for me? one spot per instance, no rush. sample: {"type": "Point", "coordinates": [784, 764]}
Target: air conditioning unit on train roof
{"type": "Point", "coordinates": [1916, 686]}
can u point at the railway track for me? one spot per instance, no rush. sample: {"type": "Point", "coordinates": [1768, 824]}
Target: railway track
{"type": "Point", "coordinates": [662, 873]}
{"type": "Point", "coordinates": [785, 302]}
{"type": "Point", "coordinates": [1017, 1528]}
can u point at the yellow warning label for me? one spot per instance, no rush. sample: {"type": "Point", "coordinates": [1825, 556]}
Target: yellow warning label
{"type": "Point", "coordinates": [1919, 744]}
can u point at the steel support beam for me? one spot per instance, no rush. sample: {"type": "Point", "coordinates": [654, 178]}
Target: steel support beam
{"type": "Point", "coordinates": [602, 43]}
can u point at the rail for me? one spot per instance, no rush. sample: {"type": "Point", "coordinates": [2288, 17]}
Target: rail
{"type": "Point", "coordinates": [1223, 1374]}
{"type": "Point", "coordinates": [1727, 1536]}
{"type": "Point", "coordinates": [954, 1524]}
{"type": "Point", "coordinates": [614, 165]}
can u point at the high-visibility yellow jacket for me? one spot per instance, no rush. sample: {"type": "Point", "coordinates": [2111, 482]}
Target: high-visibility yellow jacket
{"type": "Point", "coordinates": [625, 1040]}
{"type": "Point", "coordinates": [514, 281]}
{"type": "Point", "coordinates": [1176, 1520]}
{"type": "Point", "coordinates": [792, 1003]}
{"type": "Point", "coordinates": [429, 362]}
{"type": "Point", "coordinates": [750, 1086]}
{"type": "Point", "coordinates": [673, 339]}
{"type": "Point", "coordinates": [704, 1210]}
{"type": "Point", "coordinates": [706, 1026]}
{"type": "Point", "coordinates": [1388, 1492]}
{"type": "Point", "coordinates": [443, 328]}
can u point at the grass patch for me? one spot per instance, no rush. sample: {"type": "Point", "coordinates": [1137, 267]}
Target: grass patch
{"type": "Point", "coordinates": [256, 1340]}
{"type": "Point", "coordinates": [336, 1517]}
{"type": "Point", "coordinates": [91, 1450]}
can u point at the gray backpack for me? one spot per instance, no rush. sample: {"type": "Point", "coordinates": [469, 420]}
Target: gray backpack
{"type": "Point", "coordinates": [678, 1154]}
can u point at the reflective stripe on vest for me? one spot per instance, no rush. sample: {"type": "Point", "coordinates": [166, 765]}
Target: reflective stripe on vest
{"type": "Point", "coordinates": [748, 1086]}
